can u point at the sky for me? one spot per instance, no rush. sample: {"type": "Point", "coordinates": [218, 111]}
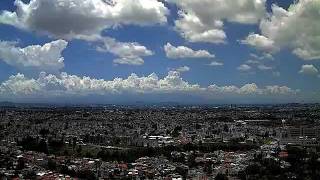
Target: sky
{"type": "Point", "coordinates": [154, 51]}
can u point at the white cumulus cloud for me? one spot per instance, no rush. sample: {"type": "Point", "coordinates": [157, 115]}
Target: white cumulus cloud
{"type": "Point", "coordinates": [202, 20]}
{"type": "Point", "coordinates": [263, 67]}
{"type": "Point", "coordinates": [251, 89]}
{"type": "Point", "coordinates": [182, 52]}
{"type": "Point", "coordinates": [43, 58]}
{"type": "Point", "coordinates": [183, 69]}
{"type": "Point", "coordinates": [71, 18]}
{"type": "Point", "coordinates": [87, 19]}
{"type": "Point", "coordinates": [261, 62]}
{"type": "Point", "coordinates": [128, 53]}
{"type": "Point", "coordinates": [296, 28]}
{"type": "Point", "coordinates": [215, 63]}
{"type": "Point", "coordinates": [260, 42]}
{"type": "Point", "coordinates": [244, 68]}
{"type": "Point", "coordinates": [65, 85]}
{"type": "Point", "coordinates": [308, 69]}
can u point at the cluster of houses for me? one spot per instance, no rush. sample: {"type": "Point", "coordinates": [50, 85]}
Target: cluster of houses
{"type": "Point", "coordinates": [124, 129]}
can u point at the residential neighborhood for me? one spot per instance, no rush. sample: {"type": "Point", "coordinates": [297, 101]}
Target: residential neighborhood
{"type": "Point", "coordinates": [187, 142]}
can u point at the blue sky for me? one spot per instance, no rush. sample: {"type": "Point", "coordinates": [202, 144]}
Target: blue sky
{"type": "Point", "coordinates": [283, 67]}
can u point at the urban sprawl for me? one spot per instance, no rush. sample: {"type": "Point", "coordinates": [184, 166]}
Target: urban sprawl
{"type": "Point", "coordinates": [160, 142]}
